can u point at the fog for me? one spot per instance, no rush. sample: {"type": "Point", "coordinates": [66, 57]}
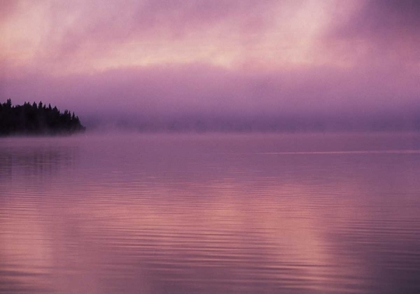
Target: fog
{"type": "Point", "coordinates": [217, 66]}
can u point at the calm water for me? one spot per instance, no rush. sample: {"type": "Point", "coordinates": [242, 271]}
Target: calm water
{"type": "Point", "coordinates": [210, 214]}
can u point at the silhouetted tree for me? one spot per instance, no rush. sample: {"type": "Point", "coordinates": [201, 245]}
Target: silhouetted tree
{"type": "Point", "coordinates": [36, 119]}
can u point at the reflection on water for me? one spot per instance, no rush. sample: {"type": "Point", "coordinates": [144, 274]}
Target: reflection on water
{"type": "Point", "coordinates": [33, 158]}
{"type": "Point", "coordinates": [210, 214]}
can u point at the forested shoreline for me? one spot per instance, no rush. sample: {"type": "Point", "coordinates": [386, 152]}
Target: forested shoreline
{"type": "Point", "coordinates": [37, 119]}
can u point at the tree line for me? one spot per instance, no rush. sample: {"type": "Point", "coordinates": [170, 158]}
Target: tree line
{"type": "Point", "coordinates": [37, 119]}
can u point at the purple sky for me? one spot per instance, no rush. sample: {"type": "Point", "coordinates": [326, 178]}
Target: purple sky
{"type": "Point", "coordinates": [240, 59]}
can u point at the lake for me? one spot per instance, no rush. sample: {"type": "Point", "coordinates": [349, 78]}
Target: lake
{"type": "Point", "coordinates": [210, 213]}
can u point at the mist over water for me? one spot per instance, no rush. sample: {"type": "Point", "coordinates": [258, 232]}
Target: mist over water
{"type": "Point", "coordinates": [295, 123]}
{"type": "Point", "coordinates": [210, 213]}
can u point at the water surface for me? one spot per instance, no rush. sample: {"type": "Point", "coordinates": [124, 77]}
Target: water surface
{"type": "Point", "coordinates": [209, 213]}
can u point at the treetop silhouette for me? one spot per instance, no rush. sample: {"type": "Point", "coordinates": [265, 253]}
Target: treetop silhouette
{"type": "Point", "coordinates": [37, 119]}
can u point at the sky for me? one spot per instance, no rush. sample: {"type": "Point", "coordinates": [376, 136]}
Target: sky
{"type": "Point", "coordinates": [255, 64]}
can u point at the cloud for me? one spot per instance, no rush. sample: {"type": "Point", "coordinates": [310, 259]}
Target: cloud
{"type": "Point", "coordinates": [244, 59]}
{"type": "Point", "coordinates": [385, 18]}
{"type": "Point", "coordinates": [7, 9]}
{"type": "Point", "coordinates": [380, 31]}
{"type": "Point", "coordinates": [103, 25]}
{"type": "Point", "coordinates": [64, 37]}
{"type": "Point", "coordinates": [87, 36]}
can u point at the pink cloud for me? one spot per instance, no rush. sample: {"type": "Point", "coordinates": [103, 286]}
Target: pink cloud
{"type": "Point", "coordinates": [7, 9]}
{"type": "Point", "coordinates": [106, 24]}
{"type": "Point", "coordinates": [380, 32]}
{"type": "Point", "coordinates": [283, 58]}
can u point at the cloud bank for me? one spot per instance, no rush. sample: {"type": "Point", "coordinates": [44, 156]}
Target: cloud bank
{"type": "Point", "coordinates": [214, 64]}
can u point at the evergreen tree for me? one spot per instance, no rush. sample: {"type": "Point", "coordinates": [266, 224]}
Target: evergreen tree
{"type": "Point", "coordinates": [36, 119]}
